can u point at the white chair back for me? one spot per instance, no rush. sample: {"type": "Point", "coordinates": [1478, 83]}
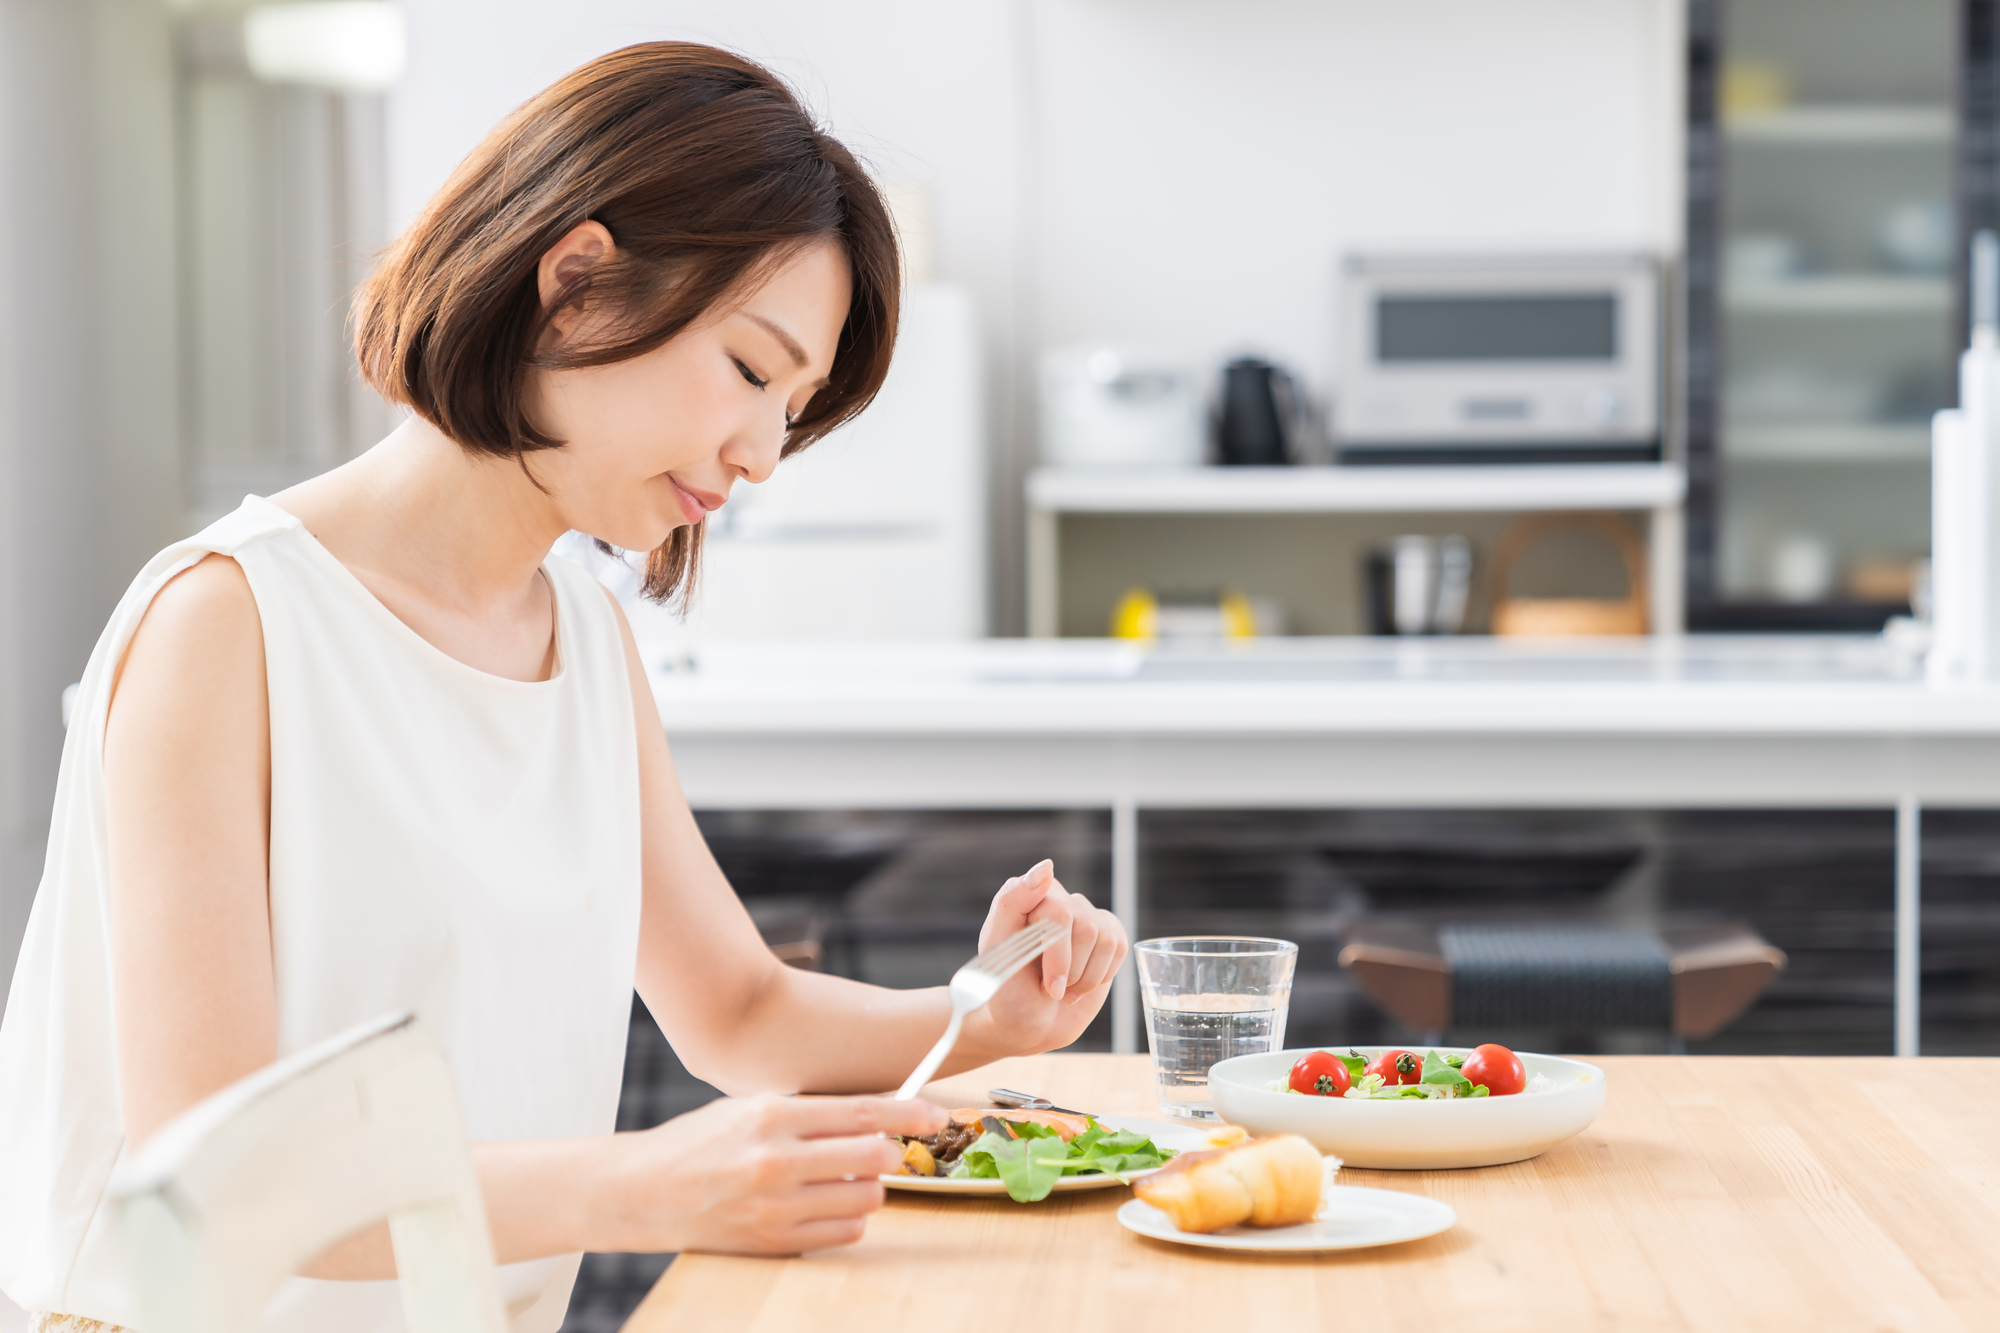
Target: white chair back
{"type": "Point", "coordinates": [246, 1187]}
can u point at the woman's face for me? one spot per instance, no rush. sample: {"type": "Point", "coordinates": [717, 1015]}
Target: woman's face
{"type": "Point", "coordinates": [655, 442]}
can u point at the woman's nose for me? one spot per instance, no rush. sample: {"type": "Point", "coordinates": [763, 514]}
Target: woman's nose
{"type": "Point", "coordinates": [755, 457]}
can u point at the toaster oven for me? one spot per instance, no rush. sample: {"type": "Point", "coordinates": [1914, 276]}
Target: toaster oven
{"type": "Point", "coordinates": [1462, 359]}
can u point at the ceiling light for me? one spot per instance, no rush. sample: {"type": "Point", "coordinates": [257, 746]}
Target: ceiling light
{"type": "Point", "coordinates": [354, 46]}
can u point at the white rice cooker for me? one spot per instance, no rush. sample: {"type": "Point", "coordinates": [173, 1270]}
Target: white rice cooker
{"type": "Point", "coordinates": [1121, 407]}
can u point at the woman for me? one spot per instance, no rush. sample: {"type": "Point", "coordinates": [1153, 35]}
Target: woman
{"type": "Point", "coordinates": [361, 747]}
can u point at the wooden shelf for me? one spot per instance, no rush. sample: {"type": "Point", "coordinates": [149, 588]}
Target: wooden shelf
{"type": "Point", "coordinates": [1306, 490]}
{"type": "Point", "coordinates": [1837, 126]}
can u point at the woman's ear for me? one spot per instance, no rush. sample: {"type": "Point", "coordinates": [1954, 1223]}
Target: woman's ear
{"type": "Point", "coordinates": [583, 246]}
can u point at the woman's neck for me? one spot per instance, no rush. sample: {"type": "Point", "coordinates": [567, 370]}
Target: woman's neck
{"type": "Point", "coordinates": [448, 540]}
{"type": "Point", "coordinates": [470, 529]}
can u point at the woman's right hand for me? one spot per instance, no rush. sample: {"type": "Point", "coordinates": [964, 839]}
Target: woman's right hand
{"type": "Point", "coordinates": [760, 1175]}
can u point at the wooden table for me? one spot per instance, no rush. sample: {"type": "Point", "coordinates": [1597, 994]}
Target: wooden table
{"type": "Point", "coordinates": [1712, 1193]}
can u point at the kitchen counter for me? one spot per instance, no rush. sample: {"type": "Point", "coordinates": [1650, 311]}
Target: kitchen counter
{"type": "Point", "coordinates": [1720, 684]}
{"type": "Point", "coordinates": [1695, 722]}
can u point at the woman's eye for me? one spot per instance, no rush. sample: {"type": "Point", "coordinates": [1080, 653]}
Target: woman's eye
{"type": "Point", "coordinates": [750, 374]}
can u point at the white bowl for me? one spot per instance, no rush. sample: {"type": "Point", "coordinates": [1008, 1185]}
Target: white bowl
{"type": "Point", "coordinates": [1409, 1134]}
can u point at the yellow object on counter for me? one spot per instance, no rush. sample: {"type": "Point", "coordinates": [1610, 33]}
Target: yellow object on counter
{"type": "Point", "coordinates": [1238, 620]}
{"type": "Point", "coordinates": [1137, 616]}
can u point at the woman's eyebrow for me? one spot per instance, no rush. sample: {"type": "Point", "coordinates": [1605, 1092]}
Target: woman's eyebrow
{"type": "Point", "coordinates": [785, 340]}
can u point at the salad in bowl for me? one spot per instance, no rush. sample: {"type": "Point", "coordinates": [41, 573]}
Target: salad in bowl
{"type": "Point", "coordinates": [1389, 1107]}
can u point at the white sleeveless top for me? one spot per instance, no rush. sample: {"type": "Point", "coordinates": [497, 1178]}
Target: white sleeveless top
{"type": "Point", "coordinates": [442, 840]}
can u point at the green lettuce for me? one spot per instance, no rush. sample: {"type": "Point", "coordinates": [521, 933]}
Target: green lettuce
{"type": "Point", "coordinates": [1030, 1166]}
{"type": "Point", "coordinates": [1440, 1072]}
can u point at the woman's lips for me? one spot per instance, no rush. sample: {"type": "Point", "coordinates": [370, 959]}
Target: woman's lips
{"type": "Point", "coordinates": [695, 504]}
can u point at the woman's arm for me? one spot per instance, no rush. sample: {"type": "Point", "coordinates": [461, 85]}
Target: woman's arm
{"type": "Point", "coordinates": [194, 1004]}
{"type": "Point", "coordinates": [187, 777]}
{"type": "Point", "coordinates": [745, 1022]}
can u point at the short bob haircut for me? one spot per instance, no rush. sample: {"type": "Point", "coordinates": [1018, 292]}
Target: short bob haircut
{"type": "Point", "coordinates": [707, 172]}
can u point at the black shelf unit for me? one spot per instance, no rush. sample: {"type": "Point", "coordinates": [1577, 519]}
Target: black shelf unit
{"type": "Point", "coordinates": [1976, 186]}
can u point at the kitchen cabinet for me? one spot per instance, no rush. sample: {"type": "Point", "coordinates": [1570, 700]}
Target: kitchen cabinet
{"type": "Point", "coordinates": [1833, 177]}
{"type": "Point", "coordinates": [1648, 493]}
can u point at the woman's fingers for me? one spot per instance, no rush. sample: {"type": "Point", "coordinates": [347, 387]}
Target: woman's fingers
{"type": "Point", "coordinates": [1083, 936]}
{"type": "Point", "coordinates": [1014, 905]}
{"type": "Point", "coordinates": [838, 1117]}
{"type": "Point", "coordinates": [836, 1199]}
{"type": "Point", "coordinates": [1058, 906]}
{"type": "Point", "coordinates": [820, 1160]}
{"type": "Point", "coordinates": [1092, 946]}
{"type": "Point", "coordinates": [1105, 957]}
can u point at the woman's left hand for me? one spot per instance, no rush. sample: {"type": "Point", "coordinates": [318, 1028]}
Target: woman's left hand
{"type": "Point", "coordinates": [1051, 1001]}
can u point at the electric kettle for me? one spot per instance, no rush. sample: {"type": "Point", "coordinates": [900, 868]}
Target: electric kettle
{"type": "Point", "coordinates": [1258, 405]}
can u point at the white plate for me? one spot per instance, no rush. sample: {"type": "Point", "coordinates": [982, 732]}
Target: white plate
{"type": "Point", "coordinates": [1351, 1218]}
{"type": "Point", "coordinates": [1163, 1133]}
{"type": "Point", "coordinates": [1412, 1135]}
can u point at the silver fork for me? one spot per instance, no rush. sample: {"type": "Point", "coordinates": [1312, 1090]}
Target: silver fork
{"type": "Point", "coordinates": [976, 983]}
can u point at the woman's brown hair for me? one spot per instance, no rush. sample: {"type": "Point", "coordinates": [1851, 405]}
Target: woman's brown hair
{"type": "Point", "coordinates": [707, 172]}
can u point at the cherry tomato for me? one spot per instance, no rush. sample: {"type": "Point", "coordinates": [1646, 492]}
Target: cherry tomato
{"type": "Point", "coordinates": [1398, 1067]}
{"type": "Point", "coordinates": [1496, 1069]}
{"type": "Point", "coordinates": [1322, 1074]}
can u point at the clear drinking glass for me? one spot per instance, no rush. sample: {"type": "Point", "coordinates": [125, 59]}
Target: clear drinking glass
{"type": "Point", "coordinates": [1209, 997]}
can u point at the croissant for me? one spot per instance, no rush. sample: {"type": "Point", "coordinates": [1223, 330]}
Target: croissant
{"type": "Point", "coordinates": [1272, 1182]}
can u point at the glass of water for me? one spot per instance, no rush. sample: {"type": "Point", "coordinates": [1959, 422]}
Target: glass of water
{"type": "Point", "coordinates": [1209, 997]}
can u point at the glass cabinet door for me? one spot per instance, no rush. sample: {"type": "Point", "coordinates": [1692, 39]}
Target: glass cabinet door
{"type": "Point", "coordinates": [1831, 238]}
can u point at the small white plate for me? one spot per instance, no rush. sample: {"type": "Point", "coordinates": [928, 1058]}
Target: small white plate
{"type": "Point", "coordinates": [1163, 1133]}
{"type": "Point", "coordinates": [1351, 1218]}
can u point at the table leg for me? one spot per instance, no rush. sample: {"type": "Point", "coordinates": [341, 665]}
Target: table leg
{"type": "Point", "coordinates": [1125, 906]}
{"type": "Point", "coordinates": [1909, 847]}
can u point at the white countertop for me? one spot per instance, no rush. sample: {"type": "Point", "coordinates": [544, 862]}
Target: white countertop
{"type": "Point", "coordinates": [1712, 685]}
{"type": "Point", "coordinates": [1293, 490]}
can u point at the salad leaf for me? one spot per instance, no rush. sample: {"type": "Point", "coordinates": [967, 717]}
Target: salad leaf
{"type": "Point", "coordinates": [1438, 1071]}
{"type": "Point", "coordinates": [1118, 1152]}
{"type": "Point", "coordinates": [1030, 1166]}
{"type": "Point", "coordinates": [1357, 1064]}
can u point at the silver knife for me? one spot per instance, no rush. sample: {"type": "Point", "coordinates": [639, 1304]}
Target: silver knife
{"type": "Point", "coordinates": [1023, 1101]}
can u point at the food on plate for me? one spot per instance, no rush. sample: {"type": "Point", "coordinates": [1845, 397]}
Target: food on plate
{"type": "Point", "coordinates": [1397, 1067]}
{"type": "Point", "coordinates": [1496, 1069]}
{"type": "Point", "coordinates": [1270, 1182]}
{"type": "Point", "coordinates": [917, 1159]}
{"type": "Point", "coordinates": [1066, 1124]}
{"type": "Point", "coordinates": [1028, 1151]}
{"type": "Point", "coordinates": [1489, 1071]}
{"type": "Point", "coordinates": [1322, 1074]}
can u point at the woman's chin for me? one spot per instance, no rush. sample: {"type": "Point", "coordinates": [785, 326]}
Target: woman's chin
{"type": "Point", "coordinates": [648, 535]}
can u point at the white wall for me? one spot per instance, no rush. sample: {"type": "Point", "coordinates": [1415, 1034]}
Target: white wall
{"type": "Point", "coordinates": [1178, 171]}
{"type": "Point", "coordinates": [1203, 165]}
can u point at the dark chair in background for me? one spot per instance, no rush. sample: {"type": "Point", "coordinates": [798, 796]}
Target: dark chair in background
{"type": "Point", "coordinates": [797, 884]}
{"type": "Point", "coordinates": [1687, 979]}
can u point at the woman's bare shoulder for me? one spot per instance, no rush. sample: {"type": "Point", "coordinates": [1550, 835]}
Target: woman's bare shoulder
{"type": "Point", "coordinates": [203, 623]}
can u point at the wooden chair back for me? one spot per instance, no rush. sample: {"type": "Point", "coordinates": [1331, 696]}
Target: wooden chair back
{"type": "Point", "coordinates": [242, 1190]}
